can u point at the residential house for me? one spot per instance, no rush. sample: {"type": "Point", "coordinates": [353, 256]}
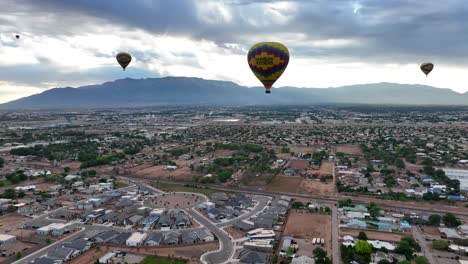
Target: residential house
{"type": "Point", "coordinates": [182, 220]}
{"type": "Point", "coordinates": [287, 242]}
{"type": "Point", "coordinates": [121, 238]}
{"type": "Point", "coordinates": [171, 238]}
{"type": "Point", "coordinates": [153, 239]}
{"type": "Point", "coordinates": [80, 244]}
{"type": "Point", "coordinates": [63, 253]}
{"type": "Point", "coordinates": [136, 239]}
{"type": "Point", "coordinates": [204, 235]}
{"type": "Point", "coordinates": [247, 256]}
{"type": "Point", "coordinates": [190, 237]}
{"type": "Point", "coordinates": [105, 236]}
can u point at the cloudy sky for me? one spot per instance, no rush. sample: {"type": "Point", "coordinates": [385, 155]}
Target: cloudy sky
{"type": "Point", "coordinates": [331, 42]}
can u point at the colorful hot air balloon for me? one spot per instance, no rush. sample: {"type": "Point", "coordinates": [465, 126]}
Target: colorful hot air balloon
{"type": "Point", "coordinates": [268, 60]}
{"type": "Point", "coordinates": [124, 59]}
{"type": "Point", "coordinates": [17, 36]}
{"type": "Point", "coordinates": [427, 67]}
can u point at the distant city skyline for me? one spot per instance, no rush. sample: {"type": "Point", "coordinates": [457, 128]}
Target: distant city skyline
{"type": "Point", "coordinates": [332, 43]}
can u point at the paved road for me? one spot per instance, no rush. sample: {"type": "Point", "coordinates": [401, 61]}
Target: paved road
{"type": "Point", "coordinates": [336, 256]}
{"type": "Point", "coordinates": [262, 201]}
{"type": "Point", "coordinates": [418, 236]}
{"type": "Point", "coordinates": [224, 253]}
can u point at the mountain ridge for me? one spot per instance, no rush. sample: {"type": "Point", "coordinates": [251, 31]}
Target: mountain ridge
{"type": "Point", "coordinates": [130, 92]}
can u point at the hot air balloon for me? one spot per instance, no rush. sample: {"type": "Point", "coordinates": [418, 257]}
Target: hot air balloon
{"type": "Point", "coordinates": [17, 36]}
{"type": "Point", "coordinates": [268, 60]}
{"type": "Point", "coordinates": [124, 59]}
{"type": "Point", "coordinates": [427, 67]}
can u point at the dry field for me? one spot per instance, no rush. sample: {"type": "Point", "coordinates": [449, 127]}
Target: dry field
{"type": "Point", "coordinates": [316, 187]}
{"type": "Point", "coordinates": [176, 200]}
{"type": "Point", "coordinates": [349, 149]}
{"type": "Point", "coordinates": [305, 226]}
{"type": "Point", "coordinates": [11, 220]}
{"type": "Point", "coordinates": [288, 184]}
{"type": "Point", "coordinates": [296, 184]}
{"type": "Point", "coordinates": [74, 165]}
{"type": "Point", "coordinates": [392, 237]}
{"type": "Point", "coordinates": [302, 149]}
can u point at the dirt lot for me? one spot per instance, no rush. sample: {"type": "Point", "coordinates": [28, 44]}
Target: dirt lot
{"type": "Point", "coordinates": [11, 220]}
{"type": "Point", "coordinates": [182, 173]}
{"type": "Point", "coordinates": [299, 226]}
{"type": "Point", "coordinates": [176, 200]}
{"type": "Point", "coordinates": [349, 149]}
{"type": "Point", "coordinates": [234, 232]}
{"type": "Point", "coordinates": [432, 230]}
{"type": "Point", "coordinates": [296, 184]}
{"type": "Point", "coordinates": [326, 168]}
{"type": "Point", "coordinates": [316, 187]}
{"type": "Point", "coordinates": [285, 184]}
{"type": "Point", "coordinates": [74, 165]}
{"type": "Point", "coordinates": [392, 237]}
{"type": "Point", "coordinates": [189, 252]}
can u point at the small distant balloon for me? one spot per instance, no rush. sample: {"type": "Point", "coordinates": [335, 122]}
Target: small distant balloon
{"type": "Point", "coordinates": [427, 67]}
{"type": "Point", "coordinates": [17, 36]}
{"type": "Point", "coordinates": [268, 60]}
{"type": "Point", "coordinates": [124, 59]}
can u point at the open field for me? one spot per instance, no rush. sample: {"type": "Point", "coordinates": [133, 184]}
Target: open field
{"type": "Point", "coordinates": [168, 187]}
{"type": "Point", "coordinates": [392, 237]}
{"type": "Point", "coordinates": [300, 227]}
{"type": "Point", "coordinates": [350, 149]}
{"type": "Point", "coordinates": [316, 187]}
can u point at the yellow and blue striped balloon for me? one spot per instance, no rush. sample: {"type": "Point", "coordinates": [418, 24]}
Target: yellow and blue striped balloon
{"type": "Point", "coordinates": [268, 60]}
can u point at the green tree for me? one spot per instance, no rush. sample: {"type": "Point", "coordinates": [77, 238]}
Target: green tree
{"type": "Point", "coordinates": [405, 248]}
{"type": "Point", "coordinates": [320, 256]}
{"type": "Point", "coordinates": [66, 169]}
{"type": "Point", "coordinates": [290, 251]}
{"type": "Point", "coordinates": [384, 261]}
{"type": "Point", "coordinates": [48, 241]}
{"type": "Point", "coordinates": [297, 204]}
{"type": "Point", "coordinates": [362, 236]}
{"type": "Point", "coordinates": [434, 220]}
{"type": "Point", "coordinates": [374, 210]}
{"type": "Point", "coordinates": [421, 260]}
{"type": "Point", "coordinates": [345, 202]}
{"type": "Point", "coordinates": [9, 194]}
{"type": "Point", "coordinates": [19, 255]}
{"type": "Point", "coordinates": [451, 220]}
{"type": "Point", "coordinates": [404, 262]}
{"type": "Point", "coordinates": [2, 162]}
{"type": "Point", "coordinates": [363, 247]}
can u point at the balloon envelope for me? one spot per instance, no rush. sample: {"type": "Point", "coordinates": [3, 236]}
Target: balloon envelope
{"type": "Point", "coordinates": [124, 59]}
{"type": "Point", "coordinates": [268, 60]}
{"type": "Point", "coordinates": [427, 67]}
{"type": "Point", "coordinates": [17, 36]}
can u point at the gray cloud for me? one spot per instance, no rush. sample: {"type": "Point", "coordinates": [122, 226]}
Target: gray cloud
{"type": "Point", "coordinates": [397, 31]}
{"type": "Point", "coordinates": [401, 30]}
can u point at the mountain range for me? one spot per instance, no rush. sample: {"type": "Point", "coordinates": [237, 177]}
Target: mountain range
{"type": "Point", "coordinates": [187, 90]}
